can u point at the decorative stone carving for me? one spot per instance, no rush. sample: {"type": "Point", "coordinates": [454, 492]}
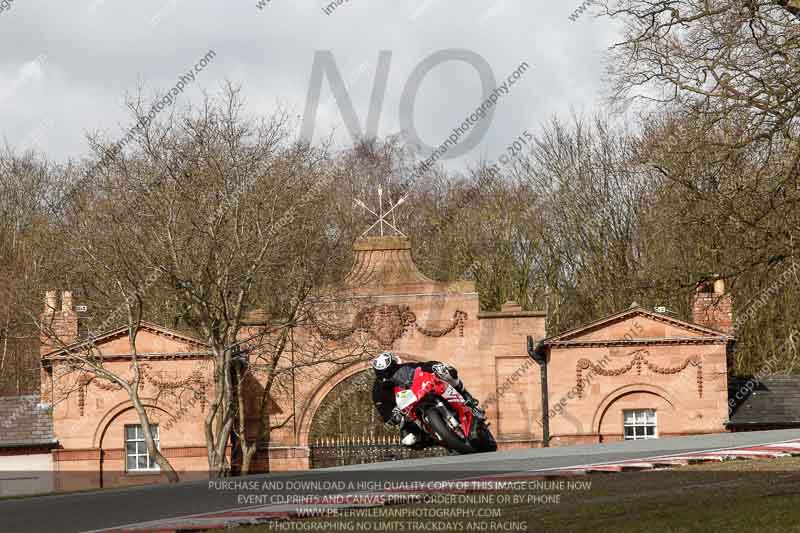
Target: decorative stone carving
{"type": "Point", "coordinates": [387, 323]}
{"type": "Point", "coordinates": [456, 322]}
{"type": "Point", "coordinates": [195, 379]}
{"type": "Point", "coordinates": [640, 358]}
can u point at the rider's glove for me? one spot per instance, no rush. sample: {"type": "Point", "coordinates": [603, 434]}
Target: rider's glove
{"type": "Point", "coordinates": [397, 417]}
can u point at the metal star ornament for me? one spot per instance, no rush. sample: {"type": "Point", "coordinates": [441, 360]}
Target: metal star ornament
{"type": "Point", "coordinates": [381, 215]}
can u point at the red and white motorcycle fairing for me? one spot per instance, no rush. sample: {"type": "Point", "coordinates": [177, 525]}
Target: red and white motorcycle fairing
{"type": "Point", "coordinates": [429, 392]}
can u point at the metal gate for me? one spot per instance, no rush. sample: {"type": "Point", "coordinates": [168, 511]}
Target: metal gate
{"type": "Point", "coordinates": [356, 450]}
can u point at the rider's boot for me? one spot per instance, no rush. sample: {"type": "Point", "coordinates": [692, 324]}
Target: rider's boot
{"type": "Point", "coordinates": [412, 437]}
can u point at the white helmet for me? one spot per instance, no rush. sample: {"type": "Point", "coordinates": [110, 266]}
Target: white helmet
{"type": "Point", "coordinates": [384, 363]}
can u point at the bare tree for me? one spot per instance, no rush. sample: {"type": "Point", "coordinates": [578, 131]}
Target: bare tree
{"type": "Point", "coordinates": [727, 74]}
{"type": "Point", "coordinates": [216, 204]}
{"type": "Point", "coordinates": [725, 60]}
{"type": "Point", "coordinates": [311, 339]}
{"type": "Point", "coordinates": [73, 366]}
{"type": "Point", "coordinates": [26, 253]}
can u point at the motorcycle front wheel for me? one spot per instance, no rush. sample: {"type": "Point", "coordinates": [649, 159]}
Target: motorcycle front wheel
{"type": "Point", "coordinates": [446, 436]}
{"type": "Point", "coordinates": [486, 442]}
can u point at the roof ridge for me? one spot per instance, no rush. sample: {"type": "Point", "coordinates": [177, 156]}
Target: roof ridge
{"type": "Point", "coordinates": [599, 323]}
{"type": "Point", "coordinates": [146, 324]}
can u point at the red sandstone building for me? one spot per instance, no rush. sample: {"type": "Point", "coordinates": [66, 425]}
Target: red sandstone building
{"type": "Point", "coordinates": [637, 374]}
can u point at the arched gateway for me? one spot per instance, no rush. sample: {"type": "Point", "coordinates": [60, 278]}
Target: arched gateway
{"type": "Point", "coordinates": [346, 428]}
{"type": "Point", "coordinates": [420, 319]}
{"type": "Point", "coordinates": [342, 427]}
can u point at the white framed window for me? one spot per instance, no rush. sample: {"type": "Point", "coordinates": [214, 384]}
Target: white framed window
{"type": "Point", "coordinates": [137, 458]}
{"type": "Point", "coordinates": [640, 424]}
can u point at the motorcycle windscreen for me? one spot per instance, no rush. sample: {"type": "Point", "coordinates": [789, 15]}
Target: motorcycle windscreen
{"type": "Point", "coordinates": [404, 398]}
{"type": "Point", "coordinates": [452, 395]}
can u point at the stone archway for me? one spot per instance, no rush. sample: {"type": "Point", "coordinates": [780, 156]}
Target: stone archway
{"type": "Point", "coordinates": [315, 403]}
{"type": "Point", "coordinates": [109, 442]}
{"type": "Point", "coordinates": [342, 426]}
{"type": "Point", "coordinates": [348, 411]}
{"type": "Point", "coordinates": [607, 420]}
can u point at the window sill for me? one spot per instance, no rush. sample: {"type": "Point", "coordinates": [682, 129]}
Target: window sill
{"type": "Point", "coordinates": [143, 473]}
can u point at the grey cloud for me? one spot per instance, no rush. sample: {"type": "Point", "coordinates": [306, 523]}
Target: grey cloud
{"type": "Point", "coordinates": [97, 50]}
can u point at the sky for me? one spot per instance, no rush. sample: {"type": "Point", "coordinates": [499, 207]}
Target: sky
{"type": "Point", "coordinates": [67, 67]}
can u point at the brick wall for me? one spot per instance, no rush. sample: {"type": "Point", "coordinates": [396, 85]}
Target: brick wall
{"type": "Point", "coordinates": [59, 322]}
{"type": "Point", "coordinates": [713, 307]}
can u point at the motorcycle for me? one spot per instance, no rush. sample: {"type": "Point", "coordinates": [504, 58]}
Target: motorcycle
{"type": "Point", "coordinates": [442, 413]}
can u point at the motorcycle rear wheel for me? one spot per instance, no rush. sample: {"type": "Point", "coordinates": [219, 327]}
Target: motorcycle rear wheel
{"type": "Point", "coordinates": [446, 436]}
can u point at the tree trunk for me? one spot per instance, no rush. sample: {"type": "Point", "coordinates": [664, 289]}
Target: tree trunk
{"type": "Point", "coordinates": [217, 461]}
{"type": "Point", "coordinates": [152, 449]}
{"type": "Point", "coordinates": [5, 333]}
{"type": "Point", "coordinates": [219, 421]}
{"type": "Point", "coordinates": [248, 453]}
{"type": "Point", "coordinates": [267, 439]}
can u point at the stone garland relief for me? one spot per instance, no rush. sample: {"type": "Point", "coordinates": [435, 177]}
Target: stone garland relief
{"type": "Point", "coordinates": [195, 379]}
{"type": "Point", "coordinates": [640, 358]}
{"type": "Point", "coordinates": [387, 323]}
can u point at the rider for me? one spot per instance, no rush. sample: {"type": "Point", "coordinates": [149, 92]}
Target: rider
{"type": "Point", "coordinates": [391, 372]}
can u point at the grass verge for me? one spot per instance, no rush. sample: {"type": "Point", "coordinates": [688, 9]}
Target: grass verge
{"type": "Point", "coordinates": [734, 496]}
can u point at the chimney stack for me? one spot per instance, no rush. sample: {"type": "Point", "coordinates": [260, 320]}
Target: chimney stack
{"type": "Point", "coordinates": [59, 324]}
{"type": "Point", "coordinates": [50, 301]}
{"type": "Point", "coordinates": [66, 302]}
{"type": "Point", "coordinates": [713, 307]}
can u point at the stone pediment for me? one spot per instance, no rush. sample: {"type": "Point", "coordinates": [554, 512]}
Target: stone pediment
{"type": "Point", "coordinates": [634, 325]}
{"type": "Point", "coordinates": [152, 340]}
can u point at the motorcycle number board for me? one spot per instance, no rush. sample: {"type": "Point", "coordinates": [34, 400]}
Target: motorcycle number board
{"type": "Point", "coordinates": [404, 398]}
